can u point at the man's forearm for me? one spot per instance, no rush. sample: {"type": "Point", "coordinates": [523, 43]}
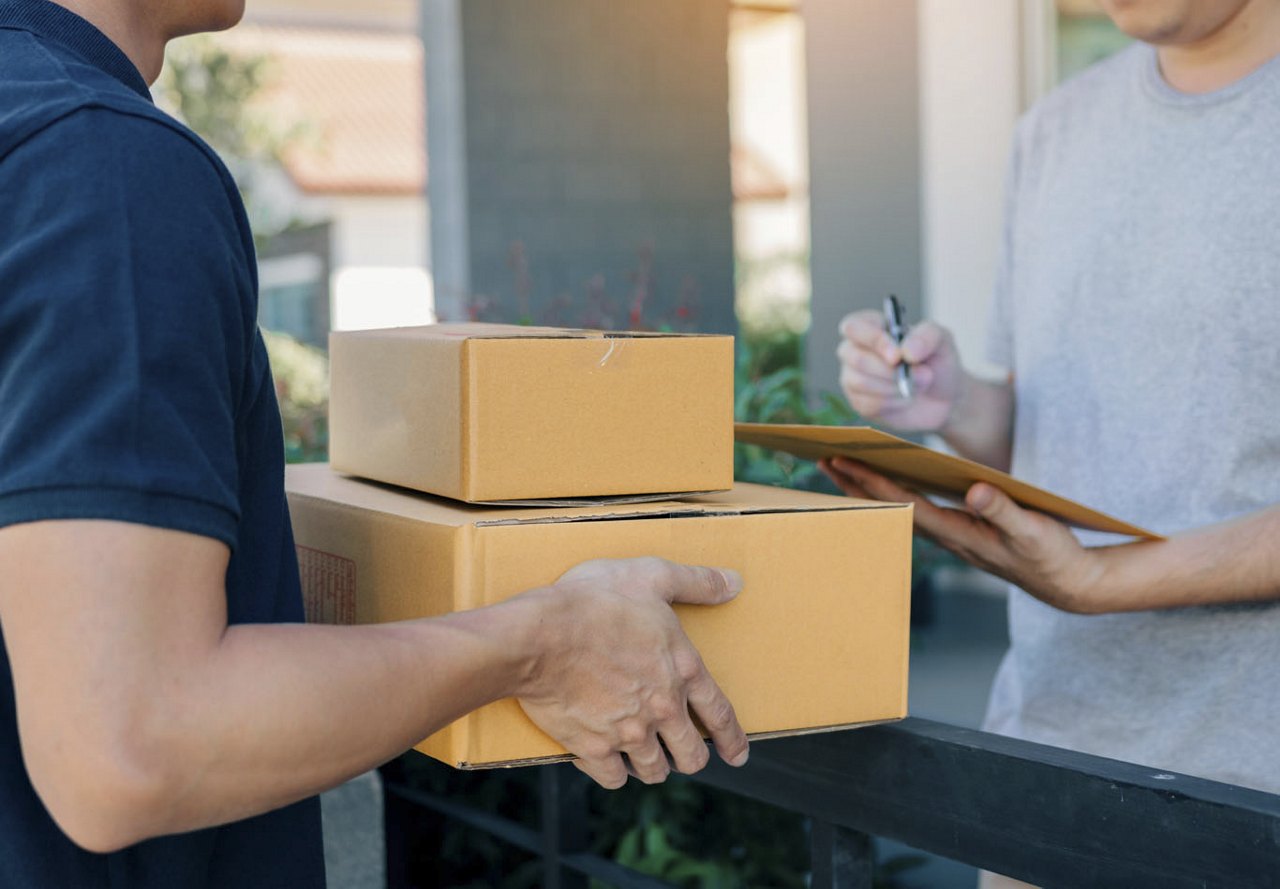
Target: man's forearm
{"type": "Point", "coordinates": [1234, 561]}
{"type": "Point", "coordinates": [980, 426]}
{"type": "Point", "coordinates": [275, 713]}
{"type": "Point", "coordinates": [280, 712]}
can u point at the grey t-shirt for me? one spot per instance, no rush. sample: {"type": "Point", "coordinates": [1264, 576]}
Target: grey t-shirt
{"type": "Point", "coordinates": [1138, 306]}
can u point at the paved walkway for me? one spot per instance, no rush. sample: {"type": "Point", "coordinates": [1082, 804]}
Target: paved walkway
{"type": "Point", "coordinates": [954, 660]}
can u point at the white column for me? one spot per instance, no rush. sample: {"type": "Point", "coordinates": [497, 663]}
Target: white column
{"type": "Point", "coordinates": [864, 164]}
{"type": "Point", "coordinates": [971, 87]}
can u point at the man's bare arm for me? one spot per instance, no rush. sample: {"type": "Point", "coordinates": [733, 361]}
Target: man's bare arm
{"type": "Point", "coordinates": [142, 713]}
{"type": "Point", "coordinates": [1231, 562]}
{"type": "Point", "coordinates": [980, 426]}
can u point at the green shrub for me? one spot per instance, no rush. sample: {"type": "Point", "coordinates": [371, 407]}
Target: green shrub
{"type": "Point", "coordinates": [301, 375]}
{"type": "Point", "coordinates": [769, 387]}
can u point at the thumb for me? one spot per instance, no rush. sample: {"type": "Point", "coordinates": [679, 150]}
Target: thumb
{"type": "Point", "coordinates": [998, 508]}
{"type": "Point", "coordinates": [698, 585]}
{"type": "Point", "coordinates": [923, 342]}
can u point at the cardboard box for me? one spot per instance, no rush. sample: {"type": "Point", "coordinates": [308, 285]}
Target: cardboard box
{"type": "Point", "coordinates": [924, 469]}
{"type": "Point", "coordinates": [494, 413]}
{"type": "Point", "coordinates": [818, 638]}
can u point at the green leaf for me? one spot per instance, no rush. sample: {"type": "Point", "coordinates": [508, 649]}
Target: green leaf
{"type": "Point", "coordinates": [658, 851]}
{"type": "Point", "coordinates": [775, 405]}
{"type": "Point", "coordinates": [628, 851]}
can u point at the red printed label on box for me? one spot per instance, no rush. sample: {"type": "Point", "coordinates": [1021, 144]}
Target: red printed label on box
{"type": "Point", "coordinates": [328, 587]}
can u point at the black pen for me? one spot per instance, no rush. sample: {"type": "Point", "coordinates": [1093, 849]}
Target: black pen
{"type": "Point", "coordinates": [895, 326]}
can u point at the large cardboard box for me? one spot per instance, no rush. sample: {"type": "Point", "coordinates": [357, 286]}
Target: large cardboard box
{"type": "Point", "coordinates": [816, 640]}
{"type": "Point", "coordinates": [493, 413]}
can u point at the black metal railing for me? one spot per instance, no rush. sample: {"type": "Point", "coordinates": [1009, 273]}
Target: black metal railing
{"type": "Point", "coordinates": [1049, 816]}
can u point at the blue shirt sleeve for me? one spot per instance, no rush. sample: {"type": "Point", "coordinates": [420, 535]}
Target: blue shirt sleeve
{"type": "Point", "coordinates": [126, 315]}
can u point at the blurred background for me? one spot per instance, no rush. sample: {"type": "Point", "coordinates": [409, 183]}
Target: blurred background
{"type": "Point", "coordinates": [756, 167]}
{"type": "Point", "coordinates": [760, 167]}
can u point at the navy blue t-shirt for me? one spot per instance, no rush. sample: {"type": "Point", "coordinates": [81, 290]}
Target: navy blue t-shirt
{"type": "Point", "coordinates": [134, 386]}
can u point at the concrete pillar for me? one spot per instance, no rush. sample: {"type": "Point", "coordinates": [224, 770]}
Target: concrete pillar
{"type": "Point", "coordinates": [579, 161]}
{"type": "Point", "coordinates": [971, 94]}
{"type": "Point", "coordinates": [864, 165]}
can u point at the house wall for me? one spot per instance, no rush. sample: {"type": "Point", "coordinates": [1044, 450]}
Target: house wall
{"type": "Point", "coordinates": [587, 133]}
{"type": "Point", "coordinates": [382, 266]}
{"type": "Point", "coordinates": [379, 257]}
{"type": "Point", "coordinates": [395, 15]}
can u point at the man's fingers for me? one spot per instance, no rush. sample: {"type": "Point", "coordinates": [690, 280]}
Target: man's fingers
{"type": "Point", "coordinates": [867, 405]}
{"type": "Point", "coordinates": [922, 342]}
{"type": "Point", "coordinates": [998, 508]}
{"type": "Point", "coordinates": [843, 481]}
{"type": "Point", "coordinates": [923, 377]}
{"type": "Point", "coordinates": [947, 526]}
{"type": "Point", "coordinates": [866, 329]}
{"type": "Point", "coordinates": [879, 487]}
{"type": "Point", "coordinates": [881, 392]}
{"type": "Point", "coordinates": [864, 362]}
{"type": "Point", "coordinates": [699, 585]}
{"type": "Point", "coordinates": [714, 711]}
{"type": "Point", "coordinates": [649, 761]}
{"type": "Point", "coordinates": [867, 397]}
{"type": "Point", "coordinates": [688, 751]}
{"type": "Point", "coordinates": [854, 381]}
{"type": "Point", "coordinates": [609, 772]}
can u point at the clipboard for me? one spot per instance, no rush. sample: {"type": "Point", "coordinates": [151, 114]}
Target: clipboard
{"type": "Point", "coordinates": [924, 469]}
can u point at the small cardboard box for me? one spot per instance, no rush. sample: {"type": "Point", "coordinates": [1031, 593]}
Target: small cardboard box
{"type": "Point", "coordinates": [496, 413]}
{"type": "Point", "coordinates": [816, 640]}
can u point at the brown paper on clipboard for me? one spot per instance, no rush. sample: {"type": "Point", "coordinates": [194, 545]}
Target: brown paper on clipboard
{"type": "Point", "coordinates": [924, 469]}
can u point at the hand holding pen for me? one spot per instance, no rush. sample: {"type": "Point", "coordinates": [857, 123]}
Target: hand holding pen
{"type": "Point", "coordinates": [908, 378]}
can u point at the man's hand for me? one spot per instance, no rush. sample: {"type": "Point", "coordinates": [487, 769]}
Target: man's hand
{"type": "Point", "coordinates": [1027, 548]}
{"type": "Point", "coordinates": [974, 416]}
{"type": "Point", "coordinates": [620, 683]}
{"type": "Point", "coordinates": [1228, 563]}
{"type": "Point", "coordinates": [868, 359]}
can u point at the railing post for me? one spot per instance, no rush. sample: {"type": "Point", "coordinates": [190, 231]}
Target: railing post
{"type": "Point", "coordinates": [564, 824]}
{"type": "Point", "coordinates": [841, 858]}
{"type": "Point", "coordinates": [397, 820]}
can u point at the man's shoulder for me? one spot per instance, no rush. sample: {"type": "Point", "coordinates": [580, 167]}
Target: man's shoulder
{"type": "Point", "coordinates": [1094, 97]}
{"type": "Point", "coordinates": [54, 96]}
{"type": "Point", "coordinates": [97, 178]}
{"type": "Point", "coordinates": [139, 142]}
